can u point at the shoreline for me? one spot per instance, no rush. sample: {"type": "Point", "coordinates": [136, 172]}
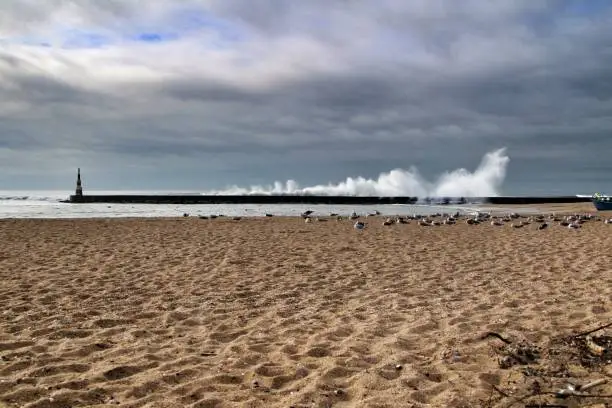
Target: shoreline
{"type": "Point", "coordinates": [536, 209]}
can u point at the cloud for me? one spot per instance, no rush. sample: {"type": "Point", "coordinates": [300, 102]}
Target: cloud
{"type": "Point", "coordinates": [351, 87]}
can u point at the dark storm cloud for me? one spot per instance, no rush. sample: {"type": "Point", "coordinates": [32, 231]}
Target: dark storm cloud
{"type": "Point", "coordinates": [360, 83]}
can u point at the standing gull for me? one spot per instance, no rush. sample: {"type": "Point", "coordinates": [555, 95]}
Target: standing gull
{"type": "Point", "coordinates": [359, 225]}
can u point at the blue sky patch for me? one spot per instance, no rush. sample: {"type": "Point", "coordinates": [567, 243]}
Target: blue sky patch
{"type": "Point", "coordinates": [180, 23]}
{"type": "Point", "coordinates": [152, 37]}
{"type": "Point", "coordinates": [84, 39]}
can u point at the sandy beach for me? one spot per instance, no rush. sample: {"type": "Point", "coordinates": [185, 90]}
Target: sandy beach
{"type": "Point", "coordinates": [276, 312]}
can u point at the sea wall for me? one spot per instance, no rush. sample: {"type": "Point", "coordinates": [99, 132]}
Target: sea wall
{"type": "Point", "coordinates": [310, 199]}
{"type": "Point", "coordinates": [238, 199]}
{"type": "Point", "coordinates": [536, 200]}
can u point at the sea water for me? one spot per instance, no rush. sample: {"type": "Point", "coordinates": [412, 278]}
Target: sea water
{"type": "Point", "coordinates": [47, 204]}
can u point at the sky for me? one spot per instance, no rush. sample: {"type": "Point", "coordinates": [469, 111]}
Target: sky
{"type": "Point", "coordinates": [204, 94]}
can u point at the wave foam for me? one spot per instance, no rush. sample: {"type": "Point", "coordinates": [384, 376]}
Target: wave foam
{"type": "Point", "coordinates": [485, 181]}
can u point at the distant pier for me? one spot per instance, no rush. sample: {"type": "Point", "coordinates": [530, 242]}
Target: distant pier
{"type": "Point", "coordinates": [312, 199]}
{"type": "Point", "coordinates": [239, 199]}
{"type": "Point", "coordinates": [80, 198]}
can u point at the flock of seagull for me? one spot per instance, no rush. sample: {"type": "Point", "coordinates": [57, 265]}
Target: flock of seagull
{"type": "Point", "coordinates": [515, 220]}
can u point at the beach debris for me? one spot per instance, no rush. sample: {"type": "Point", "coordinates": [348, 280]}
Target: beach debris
{"type": "Point", "coordinates": [521, 353]}
{"type": "Point", "coordinates": [591, 331]}
{"type": "Point", "coordinates": [496, 335]}
{"type": "Point", "coordinates": [561, 369]}
{"type": "Point", "coordinates": [236, 218]}
{"type": "Point", "coordinates": [388, 222]}
{"type": "Point", "coordinates": [578, 390]}
{"type": "Point", "coordinates": [542, 226]}
{"type": "Point", "coordinates": [398, 367]}
{"type": "Point", "coordinates": [359, 225]}
{"type": "Point", "coordinates": [591, 350]}
{"type": "Point", "coordinates": [451, 356]}
{"type": "Point", "coordinates": [593, 347]}
{"type": "Point", "coordinates": [353, 216]}
{"type": "Point", "coordinates": [269, 215]}
{"type": "Point", "coordinates": [185, 214]}
{"type": "Point", "coordinates": [203, 217]}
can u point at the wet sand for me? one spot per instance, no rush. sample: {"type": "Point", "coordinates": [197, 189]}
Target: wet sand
{"type": "Point", "coordinates": [275, 312]}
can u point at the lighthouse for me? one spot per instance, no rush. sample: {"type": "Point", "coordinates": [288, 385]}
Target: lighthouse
{"type": "Point", "coordinates": [79, 187]}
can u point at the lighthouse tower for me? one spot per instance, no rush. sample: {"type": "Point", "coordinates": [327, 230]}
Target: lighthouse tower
{"type": "Point", "coordinates": [79, 187]}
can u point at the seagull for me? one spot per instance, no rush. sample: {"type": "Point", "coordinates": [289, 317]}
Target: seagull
{"type": "Point", "coordinates": [359, 225]}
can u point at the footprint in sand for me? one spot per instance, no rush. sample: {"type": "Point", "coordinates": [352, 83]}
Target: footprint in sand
{"type": "Point", "coordinates": [142, 390]}
{"type": "Point", "coordinates": [109, 323]}
{"type": "Point", "coordinates": [70, 334]}
{"type": "Point", "coordinates": [226, 337]}
{"type": "Point", "coordinates": [339, 372]}
{"type": "Point", "coordinates": [269, 370]}
{"type": "Point", "coordinates": [13, 345]}
{"type": "Point", "coordinates": [318, 352]}
{"type": "Point", "coordinates": [390, 372]}
{"type": "Point", "coordinates": [52, 370]}
{"type": "Point", "coordinates": [23, 396]}
{"type": "Point", "coordinates": [120, 372]}
{"type": "Point", "coordinates": [208, 403]}
{"type": "Point", "coordinates": [15, 367]}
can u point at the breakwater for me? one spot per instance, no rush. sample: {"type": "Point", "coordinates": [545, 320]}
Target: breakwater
{"type": "Point", "coordinates": [311, 199]}
{"type": "Point", "coordinates": [238, 199]}
{"type": "Point", "coordinates": [536, 200]}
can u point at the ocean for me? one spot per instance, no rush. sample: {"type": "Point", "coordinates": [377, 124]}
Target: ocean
{"type": "Point", "coordinates": [46, 204]}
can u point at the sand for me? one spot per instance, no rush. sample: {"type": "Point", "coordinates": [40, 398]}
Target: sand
{"type": "Point", "coordinates": [275, 312]}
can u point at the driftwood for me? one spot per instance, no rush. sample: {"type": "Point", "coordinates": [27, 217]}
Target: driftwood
{"type": "Point", "coordinates": [497, 335]}
{"type": "Point", "coordinates": [605, 326]}
{"type": "Point", "coordinates": [577, 391]}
